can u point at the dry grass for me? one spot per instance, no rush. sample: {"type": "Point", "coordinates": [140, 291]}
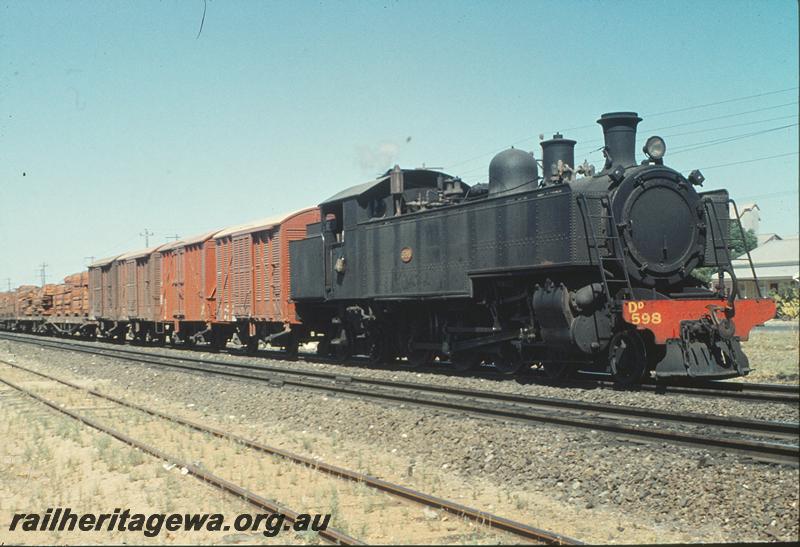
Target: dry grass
{"type": "Point", "coordinates": [774, 356]}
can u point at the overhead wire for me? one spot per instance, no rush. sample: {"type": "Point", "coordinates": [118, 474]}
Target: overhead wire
{"type": "Point", "coordinates": [706, 144]}
{"type": "Point", "coordinates": [651, 115]}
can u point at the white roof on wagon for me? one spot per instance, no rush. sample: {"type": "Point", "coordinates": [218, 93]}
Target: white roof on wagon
{"type": "Point", "coordinates": [259, 225]}
{"type": "Point", "coordinates": [103, 261]}
{"type": "Point", "coordinates": [188, 241]}
{"type": "Point", "coordinates": [139, 254]}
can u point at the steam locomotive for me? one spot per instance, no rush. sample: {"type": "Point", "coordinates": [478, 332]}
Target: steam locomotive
{"type": "Point", "coordinates": [570, 269]}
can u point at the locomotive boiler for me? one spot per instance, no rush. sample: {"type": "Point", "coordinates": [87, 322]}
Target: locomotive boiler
{"type": "Point", "coordinates": [567, 269]}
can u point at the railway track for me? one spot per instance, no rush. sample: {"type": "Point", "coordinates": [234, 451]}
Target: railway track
{"type": "Point", "coordinates": [746, 391]}
{"type": "Point", "coordinates": [515, 528]}
{"type": "Point", "coordinates": [774, 442]}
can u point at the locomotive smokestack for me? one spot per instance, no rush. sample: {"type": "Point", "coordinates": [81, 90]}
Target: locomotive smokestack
{"type": "Point", "coordinates": [619, 130]}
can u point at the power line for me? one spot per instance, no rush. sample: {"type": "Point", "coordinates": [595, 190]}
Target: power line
{"type": "Point", "coordinates": [706, 144]}
{"type": "Point", "coordinates": [686, 108]}
{"type": "Point", "coordinates": [651, 115]}
{"type": "Point", "coordinates": [748, 161]}
{"type": "Point", "coordinates": [734, 115]}
{"type": "Point", "coordinates": [728, 126]}
{"type": "Point", "coordinates": [694, 132]}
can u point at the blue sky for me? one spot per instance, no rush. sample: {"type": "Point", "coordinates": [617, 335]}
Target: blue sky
{"type": "Point", "coordinates": [116, 117]}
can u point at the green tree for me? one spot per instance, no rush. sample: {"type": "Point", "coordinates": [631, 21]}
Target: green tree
{"type": "Point", "coordinates": [739, 243]}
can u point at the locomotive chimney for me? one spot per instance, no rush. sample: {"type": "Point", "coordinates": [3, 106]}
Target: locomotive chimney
{"type": "Point", "coordinates": [619, 130]}
{"type": "Point", "coordinates": [557, 148]}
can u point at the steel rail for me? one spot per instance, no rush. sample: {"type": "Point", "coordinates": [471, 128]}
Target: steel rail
{"type": "Point", "coordinates": [477, 515]}
{"type": "Point", "coordinates": [781, 428]}
{"type": "Point", "coordinates": [774, 393]}
{"type": "Point", "coordinates": [779, 453]}
{"type": "Point", "coordinates": [330, 534]}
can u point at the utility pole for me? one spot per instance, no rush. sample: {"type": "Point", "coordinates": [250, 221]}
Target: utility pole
{"type": "Point", "coordinates": [43, 272]}
{"type": "Point", "coordinates": [176, 237]}
{"type": "Point", "coordinates": [89, 258]}
{"type": "Point", "coordinates": [8, 280]}
{"type": "Point", "coordinates": [146, 235]}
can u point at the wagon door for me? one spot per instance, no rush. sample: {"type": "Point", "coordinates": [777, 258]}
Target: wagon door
{"type": "Point", "coordinates": [242, 275]}
{"type": "Point", "coordinates": [276, 286]}
{"type": "Point", "coordinates": [259, 275]}
{"type": "Point", "coordinates": [179, 283]}
{"type": "Point", "coordinates": [153, 287]}
{"type": "Point", "coordinates": [224, 279]}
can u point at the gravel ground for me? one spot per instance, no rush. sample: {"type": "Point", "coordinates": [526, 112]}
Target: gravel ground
{"type": "Point", "coordinates": [586, 484]}
{"type": "Point", "coordinates": [673, 402]}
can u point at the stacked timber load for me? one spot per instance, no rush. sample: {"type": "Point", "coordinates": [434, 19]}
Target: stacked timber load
{"type": "Point", "coordinates": [60, 296]}
{"type": "Point", "coordinates": [6, 305]}
{"type": "Point", "coordinates": [27, 301]}
{"type": "Point", "coordinates": [77, 294]}
{"type": "Point", "coordinates": [47, 299]}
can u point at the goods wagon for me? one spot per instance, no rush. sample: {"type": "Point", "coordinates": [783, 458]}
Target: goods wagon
{"type": "Point", "coordinates": [135, 280]}
{"type": "Point", "coordinates": [188, 288]}
{"type": "Point", "coordinates": [253, 279]}
{"type": "Point", "coordinates": [100, 288]}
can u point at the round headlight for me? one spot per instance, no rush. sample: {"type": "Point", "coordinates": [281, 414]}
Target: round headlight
{"type": "Point", "coordinates": [655, 147]}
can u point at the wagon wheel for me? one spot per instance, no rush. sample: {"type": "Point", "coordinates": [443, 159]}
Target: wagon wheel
{"type": "Point", "coordinates": [292, 348]}
{"type": "Point", "coordinates": [464, 361]}
{"type": "Point", "coordinates": [420, 357]}
{"type": "Point", "coordinates": [342, 352]}
{"type": "Point", "coordinates": [251, 346]}
{"type": "Point", "coordinates": [324, 347]}
{"type": "Point", "coordinates": [510, 361]}
{"type": "Point", "coordinates": [627, 358]}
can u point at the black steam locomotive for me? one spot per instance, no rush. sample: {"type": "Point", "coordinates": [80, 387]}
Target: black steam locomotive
{"type": "Point", "coordinates": [571, 269]}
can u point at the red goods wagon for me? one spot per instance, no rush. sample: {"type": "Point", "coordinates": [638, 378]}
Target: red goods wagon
{"type": "Point", "coordinates": [139, 285]}
{"type": "Point", "coordinates": [253, 274]}
{"type": "Point", "coordinates": [101, 285]}
{"type": "Point", "coordinates": [188, 284]}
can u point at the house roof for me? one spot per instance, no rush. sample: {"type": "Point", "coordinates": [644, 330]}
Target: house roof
{"type": "Point", "coordinates": [764, 238]}
{"type": "Point", "coordinates": [778, 258]}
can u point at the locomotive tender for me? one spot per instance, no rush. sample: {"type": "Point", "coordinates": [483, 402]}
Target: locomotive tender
{"type": "Point", "coordinates": [564, 271]}
{"type": "Point", "coordinates": [570, 269]}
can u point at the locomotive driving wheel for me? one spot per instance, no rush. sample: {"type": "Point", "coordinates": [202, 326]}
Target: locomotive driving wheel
{"type": "Point", "coordinates": [418, 357]}
{"type": "Point", "coordinates": [508, 361]}
{"type": "Point", "coordinates": [556, 367]}
{"type": "Point", "coordinates": [627, 358]}
{"type": "Point", "coordinates": [464, 361]}
{"type": "Point", "coordinates": [379, 348]}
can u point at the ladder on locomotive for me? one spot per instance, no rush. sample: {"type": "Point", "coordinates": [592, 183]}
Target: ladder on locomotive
{"type": "Point", "coordinates": [724, 245]}
{"type": "Point", "coordinates": [610, 240]}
